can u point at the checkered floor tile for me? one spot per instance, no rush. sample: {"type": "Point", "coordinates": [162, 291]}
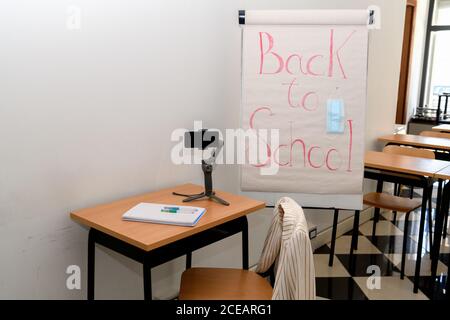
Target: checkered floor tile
{"type": "Point", "coordinates": [351, 278]}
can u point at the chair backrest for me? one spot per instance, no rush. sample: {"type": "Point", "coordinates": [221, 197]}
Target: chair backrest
{"type": "Point", "coordinates": [412, 152]}
{"type": "Point", "coordinates": [289, 230]}
{"type": "Point", "coordinates": [435, 134]}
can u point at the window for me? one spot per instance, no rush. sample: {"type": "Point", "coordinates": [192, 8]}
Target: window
{"type": "Point", "coordinates": [436, 75]}
{"type": "Point", "coordinates": [441, 13]}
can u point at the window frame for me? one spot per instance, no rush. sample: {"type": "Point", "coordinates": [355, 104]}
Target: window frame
{"type": "Point", "coordinates": [426, 66]}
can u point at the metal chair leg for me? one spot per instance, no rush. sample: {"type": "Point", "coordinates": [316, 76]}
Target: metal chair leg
{"type": "Point", "coordinates": [405, 242]}
{"type": "Point", "coordinates": [376, 217]}
{"type": "Point", "coordinates": [399, 190]}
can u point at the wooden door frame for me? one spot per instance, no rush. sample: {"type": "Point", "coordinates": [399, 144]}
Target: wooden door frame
{"type": "Point", "coordinates": [405, 69]}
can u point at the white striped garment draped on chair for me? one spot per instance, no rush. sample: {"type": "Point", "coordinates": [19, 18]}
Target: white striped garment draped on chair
{"type": "Point", "coordinates": [288, 247]}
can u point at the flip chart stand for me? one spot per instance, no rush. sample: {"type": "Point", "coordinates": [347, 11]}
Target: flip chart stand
{"type": "Point", "coordinates": [373, 16]}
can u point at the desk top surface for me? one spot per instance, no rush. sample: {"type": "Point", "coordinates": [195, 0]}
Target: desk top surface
{"type": "Point", "coordinates": [418, 141]}
{"type": "Point", "coordinates": [148, 236]}
{"type": "Point", "coordinates": [442, 128]}
{"type": "Point", "coordinates": [443, 174]}
{"type": "Point", "coordinates": [404, 164]}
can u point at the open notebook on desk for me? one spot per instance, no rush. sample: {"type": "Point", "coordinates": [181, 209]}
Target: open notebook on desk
{"type": "Point", "coordinates": [164, 214]}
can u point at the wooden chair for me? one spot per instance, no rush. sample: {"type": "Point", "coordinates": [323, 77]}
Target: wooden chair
{"type": "Point", "coordinates": [419, 153]}
{"type": "Point", "coordinates": [223, 284]}
{"type": "Point", "coordinates": [412, 152]}
{"type": "Point", "coordinates": [395, 203]}
{"type": "Point", "coordinates": [237, 284]}
{"type": "Point", "coordinates": [379, 201]}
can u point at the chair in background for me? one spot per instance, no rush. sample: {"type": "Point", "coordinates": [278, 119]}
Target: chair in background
{"type": "Point", "coordinates": [393, 203]}
{"type": "Point", "coordinates": [418, 153]}
{"type": "Point", "coordinates": [294, 275]}
{"type": "Point", "coordinates": [399, 204]}
{"type": "Point", "coordinates": [378, 201]}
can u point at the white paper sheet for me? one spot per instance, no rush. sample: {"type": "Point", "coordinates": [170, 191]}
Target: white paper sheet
{"type": "Point", "coordinates": [290, 73]}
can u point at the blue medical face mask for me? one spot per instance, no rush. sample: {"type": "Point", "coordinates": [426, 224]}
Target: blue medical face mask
{"type": "Point", "coordinates": [335, 116]}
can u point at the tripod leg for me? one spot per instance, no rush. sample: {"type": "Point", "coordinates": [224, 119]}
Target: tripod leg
{"type": "Point", "coordinates": [194, 197]}
{"type": "Point", "coordinates": [219, 200]}
{"type": "Point", "coordinates": [185, 195]}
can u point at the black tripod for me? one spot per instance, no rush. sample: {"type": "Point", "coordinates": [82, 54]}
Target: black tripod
{"type": "Point", "coordinates": [208, 193]}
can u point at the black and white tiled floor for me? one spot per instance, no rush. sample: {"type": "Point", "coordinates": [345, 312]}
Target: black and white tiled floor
{"type": "Point", "coordinates": [350, 279]}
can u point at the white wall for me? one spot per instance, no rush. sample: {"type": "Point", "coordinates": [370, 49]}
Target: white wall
{"type": "Point", "coordinates": [86, 117]}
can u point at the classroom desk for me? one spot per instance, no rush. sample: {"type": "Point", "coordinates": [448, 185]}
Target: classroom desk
{"type": "Point", "coordinates": [445, 128]}
{"type": "Point", "coordinates": [404, 164]}
{"type": "Point", "coordinates": [438, 144]}
{"type": "Point", "coordinates": [442, 175]}
{"type": "Point", "coordinates": [155, 244]}
{"type": "Point", "coordinates": [417, 172]}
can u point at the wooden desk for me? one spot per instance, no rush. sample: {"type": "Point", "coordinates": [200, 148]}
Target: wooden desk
{"type": "Point", "coordinates": [442, 128]}
{"type": "Point", "coordinates": [440, 144]}
{"type": "Point", "coordinates": [414, 172]}
{"type": "Point", "coordinates": [404, 164]}
{"type": "Point", "coordinates": [154, 244]}
{"type": "Point", "coordinates": [441, 219]}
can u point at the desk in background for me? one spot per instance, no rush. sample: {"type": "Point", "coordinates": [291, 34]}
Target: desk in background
{"type": "Point", "coordinates": [412, 171]}
{"type": "Point", "coordinates": [155, 244]}
{"type": "Point", "coordinates": [445, 128]}
{"type": "Point", "coordinates": [438, 144]}
{"type": "Point", "coordinates": [441, 213]}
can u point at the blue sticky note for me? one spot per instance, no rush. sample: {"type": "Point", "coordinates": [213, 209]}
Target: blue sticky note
{"type": "Point", "coordinates": [335, 116]}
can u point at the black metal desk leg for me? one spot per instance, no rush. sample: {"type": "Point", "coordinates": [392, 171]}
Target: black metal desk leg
{"type": "Point", "coordinates": [438, 226]}
{"type": "Point", "coordinates": [445, 226]}
{"type": "Point", "coordinates": [91, 265]}
{"type": "Point", "coordinates": [420, 242]}
{"type": "Point", "coordinates": [439, 196]}
{"type": "Point", "coordinates": [333, 237]}
{"type": "Point", "coordinates": [245, 243]}
{"type": "Point", "coordinates": [430, 217]}
{"type": "Point", "coordinates": [147, 279]}
{"type": "Point", "coordinates": [188, 260]}
{"type": "Point", "coordinates": [438, 203]}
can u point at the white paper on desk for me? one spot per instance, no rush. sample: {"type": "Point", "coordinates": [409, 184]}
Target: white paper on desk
{"type": "Point", "coordinates": [151, 212]}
